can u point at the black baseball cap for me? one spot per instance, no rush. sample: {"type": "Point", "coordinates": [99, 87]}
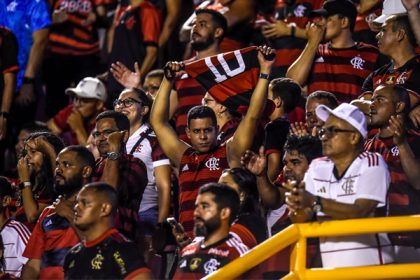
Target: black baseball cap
{"type": "Point", "coordinates": [333, 7]}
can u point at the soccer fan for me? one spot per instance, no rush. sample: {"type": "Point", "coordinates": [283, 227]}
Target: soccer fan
{"type": "Point", "coordinates": [14, 234]}
{"type": "Point", "coordinates": [142, 143]}
{"type": "Point", "coordinates": [347, 183]}
{"type": "Point", "coordinates": [152, 82]}
{"type": "Point", "coordinates": [287, 33]}
{"type": "Point", "coordinates": [126, 173]}
{"type": "Point", "coordinates": [227, 121]}
{"type": "Point", "coordinates": [285, 93]}
{"type": "Point", "coordinates": [134, 37]}
{"type": "Point", "coordinates": [54, 234]}
{"type": "Point", "coordinates": [75, 122]}
{"type": "Point", "coordinates": [204, 160]}
{"type": "Point", "coordinates": [400, 148]}
{"type": "Point", "coordinates": [396, 40]}
{"type": "Point", "coordinates": [73, 49]}
{"type": "Point", "coordinates": [239, 15]}
{"type": "Point", "coordinates": [36, 176]}
{"type": "Point", "coordinates": [9, 67]}
{"type": "Point", "coordinates": [29, 21]}
{"type": "Point", "coordinates": [216, 207]}
{"type": "Point", "coordinates": [104, 253]}
{"type": "Point", "coordinates": [340, 65]}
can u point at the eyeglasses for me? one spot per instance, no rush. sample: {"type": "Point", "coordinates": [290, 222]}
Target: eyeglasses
{"type": "Point", "coordinates": [331, 131]}
{"type": "Point", "coordinates": [105, 133]}
{"type": "Point", "coordinates": [126, 102]}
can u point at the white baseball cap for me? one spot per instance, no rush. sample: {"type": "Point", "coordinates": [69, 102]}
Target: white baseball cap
{"type": "Point", "coordinates": [346, 112]}
{"type": "Point", "coordinates": [89, 88]}
{"type": "Point", "coordinates": [390, 7]}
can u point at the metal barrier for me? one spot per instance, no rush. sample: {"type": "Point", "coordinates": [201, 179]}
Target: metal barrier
{"type": "Point", "coordinates": [298, 233]}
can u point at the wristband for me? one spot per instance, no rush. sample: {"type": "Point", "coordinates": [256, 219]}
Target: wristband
{"type": "Point", "coordinates": [292, 31]}
{"type": "Point", "coordinates": [264, 76]}
{"type": "Point", "coordinates": [23, 185]}
{"type": "Point", "coordinates": [5, 115]}
{"type": "Point", "coordinates": [27, 80]}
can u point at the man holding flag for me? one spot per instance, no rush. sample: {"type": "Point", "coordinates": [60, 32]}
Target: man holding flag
{"type": "Point", "coordinates": [204, 161]}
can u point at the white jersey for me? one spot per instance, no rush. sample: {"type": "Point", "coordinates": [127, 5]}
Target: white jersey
{"type": "Point", "coordinates": [150, 153]}
{"type": "Point", "coordinates": [15, 236]}
{"type": "Point", "coordinates": [366, 178]}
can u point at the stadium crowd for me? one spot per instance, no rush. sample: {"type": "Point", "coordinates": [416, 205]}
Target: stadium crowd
{"type": "Point", "coordinates": [162, 139]}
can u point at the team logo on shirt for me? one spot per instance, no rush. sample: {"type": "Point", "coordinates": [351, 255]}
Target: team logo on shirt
{"type": "Point", "coordinates": [120, 262]}
{"type": "Point", "coordinates": [300, 11]}
{"type": "Point", "coordinates": [357, 62]}
{"type": "Point", "coordinates": [195, 263]}
{"type": "Point", "coordinates": [348, 187]}
{"type": "Point", "coordinates": [185, 168]}
{"type": "Point", "coordinates": [395, 151]}
{"type": "Point", "coordinates": [211, 266]}
{"type": "Point", "coordinates": [390, 80]}
{"type": "Point", "coordinates": [96, 262]}
{"type": "Point", "coordinates": [213, 164]}
{"type": "Point", "coordinates": [322, 190]}
{"type": "Point", "coordinates": [402, 78]}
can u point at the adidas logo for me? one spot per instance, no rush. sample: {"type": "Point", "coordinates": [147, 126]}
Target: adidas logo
{"type": "Point", "coordinates": [185, 168]}
{"type": "Point", "coordinates": [320, 59]}
{"type": "Point", "coordinates": [322, 190]}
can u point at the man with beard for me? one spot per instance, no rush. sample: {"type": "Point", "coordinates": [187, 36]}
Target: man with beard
{"type": "Point", "coordinates": [400, 147]}
{"type": "Point", "coordinates": [216, 207]}
{"type": "Point", "coordinates": [104, 253]}
{"type": "Point", "coordinates": [53, 234]}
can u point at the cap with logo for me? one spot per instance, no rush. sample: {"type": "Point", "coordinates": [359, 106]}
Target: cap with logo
{"type": "Point", "coordinates": [333, 7]}
{"type": "Point", "coordinates": [390, 7]}
{"type": "Point", "coordinates": [89, 88]}
{"type": "Point", "coordinates": [347, 112]}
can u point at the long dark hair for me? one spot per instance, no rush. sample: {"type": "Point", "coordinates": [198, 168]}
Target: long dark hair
{"type": "Point", "coordinates": [43, 181]}
{"type": "Point", "coordinates": [247, 183]}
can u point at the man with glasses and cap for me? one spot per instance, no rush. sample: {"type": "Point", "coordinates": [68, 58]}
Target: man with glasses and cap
{"type": "Point", "coordinates": [345, 184]}
{"type": "Point", "coordinates": [75, 122]}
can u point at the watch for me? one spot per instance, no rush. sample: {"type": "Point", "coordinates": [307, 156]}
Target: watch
{"type": "Point", "coordinates": [264, 76]}
{"type": "Point", "coordinates": [23, 185]}
{"type": "Point", "coordinates": [317, 205]}
{"type": "Point", "coordinates": [113, 155]}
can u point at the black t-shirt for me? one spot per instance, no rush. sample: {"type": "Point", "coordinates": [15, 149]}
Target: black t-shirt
{"type": "Point", "coordinates": [111, 256]}
{"type": "Point", "coordinates": [276, 133]}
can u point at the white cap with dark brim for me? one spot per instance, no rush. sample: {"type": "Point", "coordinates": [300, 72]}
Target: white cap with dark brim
{"type": "Point", "coordinates": [89, 88]}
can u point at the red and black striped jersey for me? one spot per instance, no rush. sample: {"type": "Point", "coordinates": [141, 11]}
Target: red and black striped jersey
{"type": "Point", "coordinates": [195, 170]}
{"type": "Point", "coordinates": [407, 75]}
{"type": "Point", "coordinates": [190, 93]}
{"type": "Point", "coordinates": [74, 36]}
{"type": "Point", "coordinates": [229, 77]}
{"type": "Point", "coordinates": [289, 48]}
{"type": "Point", "coordinates": [228, 130]}
{"type": "Point", "coordinates": [342, 71]}
{"type": "Point", "coordinates": [403, 199]}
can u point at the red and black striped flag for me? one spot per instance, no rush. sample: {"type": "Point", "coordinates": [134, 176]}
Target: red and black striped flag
{"type": "Point", "coordinates": [229, 77]}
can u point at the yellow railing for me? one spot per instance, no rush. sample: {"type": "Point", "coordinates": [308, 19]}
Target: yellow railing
{"type": "Point", "coordinates": [298, 233]}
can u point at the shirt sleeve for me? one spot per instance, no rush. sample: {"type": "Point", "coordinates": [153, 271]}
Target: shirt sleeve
{"type": "Point", "coordinates": [39, 14]}
{"type": "Point", "coordinates": [150, 25]}
{"type": "Point", "coordinates": [367, 84]}
{"type": "Point", "coordinates": [374, 182]}
{"type": "Point", "coordinates": [9, 53]}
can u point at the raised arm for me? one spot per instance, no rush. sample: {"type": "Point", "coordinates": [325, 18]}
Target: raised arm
{"type": "Point", "coordinates": [409, 162]}
{"type": "Point", "coordinates": [244, 135]}
{"type": "Point", "coordinates": [413, 12]}
{"type": "Point", "coordinates": [271, 196]}
{"type": "Point", "coordinates": [173, 9]}
{"type": "Point", "coordinates": [300, 69]}
{"type": "Point", "coordinates": [171, 145]}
